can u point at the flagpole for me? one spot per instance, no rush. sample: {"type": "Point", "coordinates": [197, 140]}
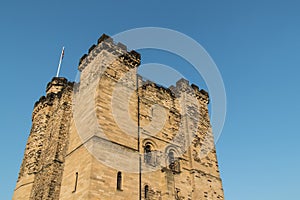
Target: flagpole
{"type": "Point", "coordinates": [60, 59]}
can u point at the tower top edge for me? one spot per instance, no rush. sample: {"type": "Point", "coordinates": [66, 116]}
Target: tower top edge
{"type": "Point", "coordinates": [105, 42]}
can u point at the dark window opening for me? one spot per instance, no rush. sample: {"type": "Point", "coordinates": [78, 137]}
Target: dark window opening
{"type": "Point", "coordinates": [119, 181]}
{"type": "Point", "coordinates": [171, 157]}
{"type": "Point", "coordinates": [173, 162]}
{"type": "Point", "coordinates": [76, 180]}
{"type": "Point", "coordinates": [147, 151]}
{"type": "Point", "coordinates": [146, 191]}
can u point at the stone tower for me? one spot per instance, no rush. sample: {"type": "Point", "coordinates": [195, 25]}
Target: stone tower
{"type": "Point", "coordinates": [115, 135]}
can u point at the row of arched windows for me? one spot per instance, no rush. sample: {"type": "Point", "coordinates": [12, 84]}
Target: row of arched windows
{"type": "Point", "coordinates": [149, 156]}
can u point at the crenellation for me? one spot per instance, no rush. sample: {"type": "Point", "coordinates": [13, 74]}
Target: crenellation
{"type": "Point", "coordinates": [195, 87]}
{"type": "Point", "coordinates": [82, 59]}
{"type": "Point", "coordinates": [122, 46]}
{"type": "Point", "coordinates": [145, 84]}
{"type": "Point", "coordinates": [57, 84]}
{"type": "Point", "coordinates": [54, 89]}
{"type": "Point", "coordinates": [183, 86]}
{"type": "Point", "coordinates": [105, 37]}
{"type": "Point", "coordinates": [92, 48]}
{"type": "Point", "coordinates": [131, 59]}
{"type": "Point", "coordinates": [134, 135]}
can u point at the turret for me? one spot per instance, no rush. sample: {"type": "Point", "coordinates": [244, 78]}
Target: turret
{"type": "Point", "coordinates": [43, 116]}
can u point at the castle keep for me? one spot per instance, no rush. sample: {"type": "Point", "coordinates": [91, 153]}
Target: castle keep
{"type": "Point", "coordinates": [114, 135]}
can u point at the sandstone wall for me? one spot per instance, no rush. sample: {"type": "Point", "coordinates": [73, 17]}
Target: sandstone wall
{"type": "Point", "coordinates": [115, 135]}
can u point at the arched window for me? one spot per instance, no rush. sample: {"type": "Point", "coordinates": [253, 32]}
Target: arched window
{"type": "Point", "coordinates": [146, 191]}
{"type": "Point", "coordinates": [147, 152]}
{"type": "Point", "coordinates": [171, 157]}
{"type": "Point", "coordinates": [119, 181]}
{"type": "Point", "coordinates": [173, 161]}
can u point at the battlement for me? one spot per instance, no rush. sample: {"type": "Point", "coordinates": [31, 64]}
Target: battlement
{"type": "Point", "coordinates": [106, 43]}
{"type": "Point", "coordinates": [133, 59]}
{"type": "Point", "coordinates": [54, 89]}
{"type": "Point", "coordinates": [145, 83]}
{"type": "Point", "coordinates": [182, 85]}
{"type": "Point", "coordinates": [119, 132]}
{"type": "Point", "coordinates": [57, 84]}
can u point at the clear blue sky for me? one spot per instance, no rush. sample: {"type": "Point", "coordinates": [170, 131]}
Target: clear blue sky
{"type": "Point", "coordinates": [255, 44]}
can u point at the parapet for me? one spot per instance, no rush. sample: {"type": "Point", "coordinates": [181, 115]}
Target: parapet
{"type": "Point", "coordinates": [55, 88]}
{"type": "Point", "coordinates": [56, 85]}
{"type": "Point", "coordinates": [105, 42]}
{"type": "Point", "coordinates": [147, 83]}
{"type": "Point", "coordinates": [183, 85]}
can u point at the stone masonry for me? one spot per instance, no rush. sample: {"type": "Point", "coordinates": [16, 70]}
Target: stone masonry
{"type": "Point", "coordinates": [115, 135]}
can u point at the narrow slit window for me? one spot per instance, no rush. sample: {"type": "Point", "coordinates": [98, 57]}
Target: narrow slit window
{"type": "Point", "coordinates": [119, 181]}
{"type": "Point", "coordinates": [76, 181]}
{"type": "Point", "coordinates": [146, 191]}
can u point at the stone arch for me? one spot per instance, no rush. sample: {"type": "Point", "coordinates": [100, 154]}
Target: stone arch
{"type": "Point", "coordinates": [172, 155]}
{"type": "Point", "coordinates": [150, 142]}
{"type": "Point", "coordinates": [173, 149]}
{"type": "Point", "coordinates": [149, 150]}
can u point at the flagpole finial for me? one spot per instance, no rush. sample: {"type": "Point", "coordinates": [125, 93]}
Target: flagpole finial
{"type": "Point", "coordinates": [60, 61]}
